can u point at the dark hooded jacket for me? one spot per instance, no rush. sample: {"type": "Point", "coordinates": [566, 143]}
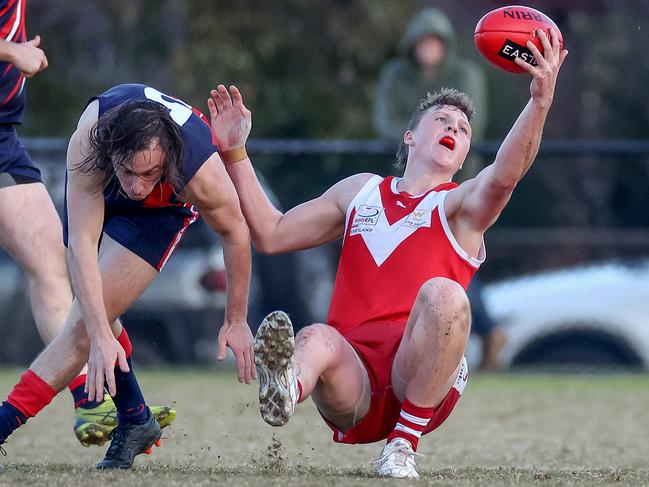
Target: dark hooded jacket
{"type": "Point", "coordinates": [402, 83]}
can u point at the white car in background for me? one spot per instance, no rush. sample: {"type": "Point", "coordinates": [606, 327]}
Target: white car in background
{"type": "Point", "coordinates": [591, 316]}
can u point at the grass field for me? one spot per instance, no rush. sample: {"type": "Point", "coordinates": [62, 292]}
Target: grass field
{"type": "Point", "coordinates": [506, 430]}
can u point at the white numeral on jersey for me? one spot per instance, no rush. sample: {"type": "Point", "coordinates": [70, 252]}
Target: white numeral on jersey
{"type": "Point", "coordinates": [179, 110]}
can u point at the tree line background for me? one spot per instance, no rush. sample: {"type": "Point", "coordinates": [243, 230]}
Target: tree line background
{"type": "Point", "coordinates": [308, 69]}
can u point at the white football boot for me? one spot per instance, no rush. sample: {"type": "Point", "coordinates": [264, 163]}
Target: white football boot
{"type": "Point", "coordinates": [278, 389]}
{"type": "Point", "coordinates": [397, 460]}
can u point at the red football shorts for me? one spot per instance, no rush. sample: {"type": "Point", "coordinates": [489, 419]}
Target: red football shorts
{"type": "Point", "coordinates": [377, 345]}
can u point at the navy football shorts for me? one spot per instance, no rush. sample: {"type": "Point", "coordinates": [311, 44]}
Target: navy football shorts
{"type": "Point", "coordinates": [150, 233]}
{"type": "Point", "coordinates": [16, 167]}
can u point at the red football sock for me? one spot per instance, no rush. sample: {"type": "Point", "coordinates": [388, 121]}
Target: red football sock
{"type": "Point", "coordinates": [411, 424]}
{"type": "Point", "coordinates": [31, 394]}
{"type": "Point", "coordinates": [77, 388]}
{"type": "Point", "coordinates": [78, 381]}
{"type": "Point", "coordinates": [125, 342]}
{"type": "Point", "coordinates": [78, 384]}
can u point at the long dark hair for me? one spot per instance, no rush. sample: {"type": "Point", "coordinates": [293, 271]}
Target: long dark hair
{"type": "Point", "coordinates": [445, 96]}
{"type": "Point", "coordinates": [130, 128]}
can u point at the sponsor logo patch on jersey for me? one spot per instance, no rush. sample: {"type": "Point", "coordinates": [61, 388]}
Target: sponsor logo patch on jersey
{"type": "Point", "coordinates": [365, 216]}
{"type": "Point", "coordinates": [418, 218]}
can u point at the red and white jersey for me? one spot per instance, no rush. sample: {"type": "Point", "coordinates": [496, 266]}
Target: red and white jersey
{"type": "Point", "coordinates": [393, 244]}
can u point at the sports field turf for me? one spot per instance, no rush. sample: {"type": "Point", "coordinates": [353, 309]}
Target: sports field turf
{"type": "Point", "coordinates": [506, 430]}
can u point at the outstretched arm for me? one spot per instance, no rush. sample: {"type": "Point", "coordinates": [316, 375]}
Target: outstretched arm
{"type": "Point", "coordinates": [85, 201]}
{"type": "Point", "coordinates": [477, 203]}
{"type": "Point", "coordinates": [212, 192]}
{"type": "Point", "coordinates": [307, 225]}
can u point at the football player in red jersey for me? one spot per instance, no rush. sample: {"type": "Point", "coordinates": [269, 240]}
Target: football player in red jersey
{"type": "Point", "coordinates": [140, 165]}
{"type": "Point", "coordinates": [390, 361]}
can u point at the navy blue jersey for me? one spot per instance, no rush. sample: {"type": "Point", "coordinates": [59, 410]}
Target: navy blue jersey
{"type": "Point", "coordinates": [198, 144]}
{"type": "Point", "coordinates": [12, 81]}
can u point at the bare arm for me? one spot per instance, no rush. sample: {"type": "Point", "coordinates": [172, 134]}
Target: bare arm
{"type": "Point", "coordinates": [307, 225]}
{"type": "Point", "coordinates": [85, 221]}
{"type": "Point", "coordinates": [28, 58]}
{"type": "Point", "coordinates": [477, 203]}
{"type": "Point", "coordinates": [85, 201]}
{"type": "Point", "coordinates": [212, 192]}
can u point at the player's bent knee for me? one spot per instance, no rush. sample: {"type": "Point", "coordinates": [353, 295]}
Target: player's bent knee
{"type": "Point", "coordinates": [55, 280]}
{"type": "Point", "coordinates": [316, 332]}
{"type": "Point", "coordinates": [444, 298]}
{"type": "Point", "coordinates": [444, 292]}
{"type": "Point", "coordinates": [320, 338]}
{"type": "Point", "coordinates": [32, 264]}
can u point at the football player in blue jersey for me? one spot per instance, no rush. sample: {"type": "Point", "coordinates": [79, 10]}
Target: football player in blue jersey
{"type": "Point", "coordinates": [141, 166]}
{"type": "Point", "coordinates": [30, 228]}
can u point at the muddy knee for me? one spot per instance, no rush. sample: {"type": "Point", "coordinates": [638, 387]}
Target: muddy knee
{"type": "Point", "coordinates": [319, 336]}
{"type": "Point", "coordinates": [322, 344]}
{"type": "Point", "coordinates": [444, 303]}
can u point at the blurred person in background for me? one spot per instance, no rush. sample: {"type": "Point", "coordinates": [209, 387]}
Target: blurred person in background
{"type": "Point", "coordinates": [429, 61]}
{"type": "Point", "coordinates": [30, 228]}
{"type": "Point", "coordinates": [140, 166]}
{"type": "Point", "coordinates": [389, 363]}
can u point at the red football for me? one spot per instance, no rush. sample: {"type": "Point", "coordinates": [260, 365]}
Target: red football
{"type": "Point", "coordinates": [501, 35]}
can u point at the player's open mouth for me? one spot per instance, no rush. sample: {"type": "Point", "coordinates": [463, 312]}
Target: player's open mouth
{"type": "Point", "coordinates": [447, 142]}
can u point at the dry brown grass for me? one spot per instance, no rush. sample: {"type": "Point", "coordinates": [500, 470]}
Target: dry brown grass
{"type": "Point", "coordinates": [508, 430]}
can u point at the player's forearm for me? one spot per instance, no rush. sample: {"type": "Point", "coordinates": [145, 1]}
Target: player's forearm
{"type": "Point", "coordinates": [260, 213]}
{"type": "Point", "coordinates": [86, 282]}
{"type": "Point", "coordinates": [520, 147]}
{"type": "Point", "coordinates": [236, 254]}
{"type": "Point", "coordinates": [7, 51]}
